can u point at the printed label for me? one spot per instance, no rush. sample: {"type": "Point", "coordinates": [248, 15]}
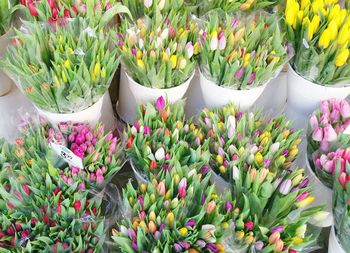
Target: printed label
{"type": "Point", "coordinates": [67, 155]}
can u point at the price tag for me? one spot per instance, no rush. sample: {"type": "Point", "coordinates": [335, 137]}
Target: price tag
{"type": "Point", "coordinates": [67, 155]}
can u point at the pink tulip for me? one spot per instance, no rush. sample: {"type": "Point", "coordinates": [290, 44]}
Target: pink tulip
{"type": "Point", "coordinates": [325, 107]}
{"type": "Point", "coordinates": [239, 73]}
{"type": "Point", "coordinates": [161, 188]}
{"type": "Point", "coordinates": [329, 134]}
{"type": "Point", "coordinates": [313, 121]}
{"type": "Point", "coordinates": [317, 134]}
{"type": "Point", "coordinates": [222, 42]}
{"type": "Point", "coordinates": [342, 179]}
{"type": "Point", "coordinates": [344, 109]}
{"type": "Point", "coordinates": [324, 145]}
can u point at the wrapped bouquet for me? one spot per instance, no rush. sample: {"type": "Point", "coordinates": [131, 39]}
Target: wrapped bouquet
{"type": "Point", "coordinates": [249, 139]}
{"type": "Point", "coordinates": [62, 71]}
{"type": "Point", "coordinates": [159, 54]}
{"type": "Point", "coordinates": [79, 151]}
{"type": "Point", "coordinates": [241, 52]}
{"type": "Point", "coordinates": [161, 139]}
{"type": "Point", "coordinates": [328, 139]}
{"type": "Point", "coordinates": [319, 32]}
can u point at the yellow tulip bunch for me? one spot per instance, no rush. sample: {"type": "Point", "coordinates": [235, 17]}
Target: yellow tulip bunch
{"type": "Point", "coordinates": [320, 33]}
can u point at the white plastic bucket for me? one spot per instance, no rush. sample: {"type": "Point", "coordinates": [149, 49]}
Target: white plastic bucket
{"type": "Point", "coordinates": [333, 244]}
{"type": "Point", "coordinates": [5, 81]}
{"type": "Point", "coordinates": [305, 96]}
{"type": "Point", "coordinates": [127, 107]}
{"type": "Point", "coordinates": [221, 186]}
{"type": "Point", "coordinates": [216, 96]}
{"type": "Point", "coordinates": [323, 196]}
{"type": "Point", "coordinates": [92, 115]}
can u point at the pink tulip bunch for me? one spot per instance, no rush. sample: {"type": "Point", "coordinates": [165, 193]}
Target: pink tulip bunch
{"type": "Point", "coordinates": [328, 138]}
{"type": "Point", "coordinates": [99, 153]}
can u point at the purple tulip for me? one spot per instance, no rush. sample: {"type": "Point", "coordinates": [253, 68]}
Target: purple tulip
{"type": "Point", "coordinates": [285, 187]}
{"type": "Point", "coordinates": [302, 196]}
{"type": "Point", "coordinates": [228, 206]}
{"type": "Point", "coordinates": [201, 243]}
{"type": "Point", "coordinates": [203, 198]}
{"type": "Point", "coordinates": [239, 73]}
{"type": "Point", "coordinates": [132, 233]}
{"type": "Point", "coordinates": [267, 163]}
{"type": "Point", "coordinates": [160, 103]}
{"type": "Point", "coordinates": [133, 51]}
{"type": "Point", "coordinates": [304, 183]}
{"type": "Point", "coordinates": [141, 200]}
{"type": "Point", "coordinates": [259, 245]}
{"type": "Point", "coordinates": [157, 235]}
{"type": "Point", "coordinates": [234, 22]}
{"type": "Point", "coordinates": [279, 229]}
{"type": "Point", "coordinates": [190, 223]}
{"type": "Point", "coordinates": [285, 152]}
{"type": "Point", "coordinates": [251, 78]}
{"type": "Point", "coordinates": [161, 227]}
{"type": "Point", "coordinates": [134, 245]}
{"type": "Point", "coordinates": [212, 247]}
{"type": "Point", "coordinates": [177, 247]}
{"type": "Point", "coordinates": [221, 152]}
{"type": "Point", "coordinates": [205, 169]}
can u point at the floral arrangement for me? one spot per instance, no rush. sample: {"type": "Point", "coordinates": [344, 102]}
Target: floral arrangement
{"type": "Point", "coordinates": [161, 139]}
{"type": "Point", "coordinates": [62, 71]}
{"type": "Point", "coordinates": [328, 139]}
{"type": "Point", "coordinates": [42, 213]}
{"type": "Point", "coordinates": [230, 6]}
{"type": "Point", "coordinates": [96, 156]}
{"type": "Point", "coordinates": [56, 12]}
{"type": "Point", "coordinates": [180, 213]}
{"type": "Point", "coordinates": [319, 32]}
{"type": "Point", "coordinates": [242, 52]}
{"type": "Point", "coordinates": [249, 139]}
{"type": "Point", "coordinates": [152, 8]}
{"type": "Point", "coordinates": [341, 204]}
{"type": "Point", "coordinates": [6, 14]}
{"type": "Point", "coordinates": [159, 54]}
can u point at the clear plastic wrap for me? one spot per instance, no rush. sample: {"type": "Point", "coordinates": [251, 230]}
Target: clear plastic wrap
{"type": "Point", "coordinates": [70, 71]}
{"type": "Point", "coordinates": [242, 52]}
{"type": "Point", "coordinates": [328, 139]}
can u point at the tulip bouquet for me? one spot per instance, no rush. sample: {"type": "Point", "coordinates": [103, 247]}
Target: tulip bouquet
{"type": "Point", "coordinates": [276, 218]}
{"type": "Point", "coordinates": [6, 14]}
{"type": "Point", "coordinates": [243, 52]}
{"type": "Point", "coordinates": [150, 8]}
{"type": "Point", "coordinates": [249, 139]}
{"type": "Point", "coordinates": [180, 213]}
{"type": "Point", "coordinates": [161, 139]}
{"type": "Point", "coordinates": [341, 206]}
{"type": "Point", "coordinates": [40, 213]}
{"type": "Point", "coordinates": [81, 152]}
{"type": "Point", "coordinates": [159, 55]}
{"type": "Point", "coordinates": [328, 139]}
{"type": "Point", "coordinates": [62, 71]}
{"type": "Point", "coordinates": [319, 32]}
{"type": "Point", "coordinates": [229, 6]}
{"type": "Point", "coordinates": [56, 12]}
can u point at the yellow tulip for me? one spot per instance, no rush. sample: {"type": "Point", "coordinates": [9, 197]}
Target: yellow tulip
{"type": "Point", "coordinates": [334, 12]}
{"type": "Point", "coordinates": [170, 218]}
{"type": "Point", "coordinates": [64, 77]}
{"type": "Point", "coordinates": [300, 15]}
{"type": "Point", "coordinates": [239, 34]}
{"type": "Point", "coordinates": [239, 235]}
{"type": "Point", "coordinates": [222, 169]}
{"type": "Point", "coordinates": [245, 7]}
{"type": "Point", "coordinates": [304, 4]}
{"type": "Point", "coordinates": [103, 72]}
{"type": "Point", "coordinates": [291, 13]}
{"type": "Point", "coordinates": [333, 29]}
{"type": "Point", "coordinates": [67, 64]}
{"type": "Point", "coordinates": [259, 158]}
{"type": "Point", "coordinates": [246, 59]}
{"type": "Point", "coordinates": [173, 60]}
{"type": "Point", "coordinates": [249, 239]}
{"type": "Point", "coordinates": [306, 22]}
{"type": "Point", "coordinates": [344, 35]}
{"type": "Point", "coordinates": [315, 23]}
{"type": "Point", "coordinates": [97, 69]}
{"type": "Point", "coordinates": [342, 57]}
{"type": "Point", "coordinates": [305, 202]}
{"type": "Point", "coordinates": [183, 231]}
{"type": "Point", "coordinates": [219, 159]}
{"type": "Point", "coordinates": [232, 56]}
{"type": "Point", "coordinates": [325, 39]}
{"type": "Point", "coordinates": [196, 48]}
{"type": "Point", "coordinates": [165, 57]}
{"type": "Point", "coordinates": [138, 54]}
{"type": "Point", "coordinates": [141, 64]}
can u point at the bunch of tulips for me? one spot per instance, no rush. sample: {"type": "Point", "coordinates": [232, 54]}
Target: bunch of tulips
{"type": "Point", "coordinates": [159, 54]}
{"type": "Point", "coordinates": [328, 138]}
{"type": "Point", "coordinates": [6, 15]}
{"type": "Point", "coordinates": [319, 31]}
{"type": "Point", "coordinates": [62, 71]}
{"type": "Point", "coordinates": [241, 52]}
{"type": "Point", "coordinates": [162, 138]}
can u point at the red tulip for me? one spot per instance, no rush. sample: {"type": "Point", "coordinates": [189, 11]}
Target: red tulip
{"type": "Point", "coordinates": [32, 9]}
{"type": "Point", "coordinates": [10, 230]}
{"type": "Point", "coordinates": [23, 2]}
{"type": "Point", "coordinates": [52, 3]}
{"type": "Point", "coordinates": [74, 9]}
{"type": "Point", "coordinates": [46, 219]}
{"type": "Point", "coordinates": [2, 234]}
{"type": "Point", "coordinates": [130, 141]}
{"type": "Point", "coordinates": [153, 165]}
{"type": "Point", "coordinates": [54, 13]}
{"type": "Point", "coordinates": [77, 205]}
{"type": "Point", "coordinates": [26, 189]}
{"type": "Point", "coordinates": [18, 227]}
{"type": "Point", "coordinates": [67, 13]}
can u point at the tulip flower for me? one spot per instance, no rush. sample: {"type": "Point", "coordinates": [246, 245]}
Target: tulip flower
{"type": "Point", "coordinates": [285, 187]}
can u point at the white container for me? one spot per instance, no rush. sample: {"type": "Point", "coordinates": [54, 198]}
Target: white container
{"type": "Point", "coordinates": [5, 81]}
{"type": "Point", "coordinates": [221, 186]}
{"type": "Point", "coordinates": [216, 96]}
{"type": "Point", "coordinates": [323, 196]}
{"type": "Point", "coordinates": [305, 96]}
{"type": "Point", "coordinates": [142, 95]}
{"type": "Point", "coordinates": [333, 244]}
{"type": "Point", "coordinates": [92, 115]}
